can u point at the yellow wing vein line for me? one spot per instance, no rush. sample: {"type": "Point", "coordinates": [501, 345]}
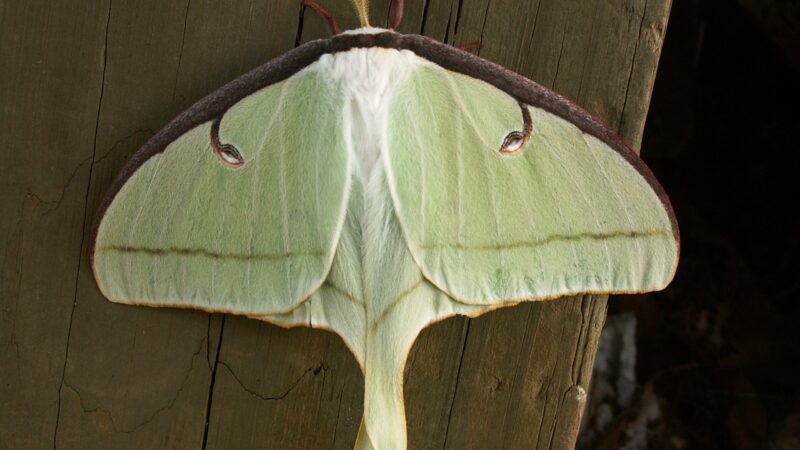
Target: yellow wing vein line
{"type": "Point", "coordinates": [613, 188]}
{"type": "Point", "coordinates": [393, 304]}
{"type": "Point", "coordinates": [466, 112]}
{"type": "Point", "coordinates": [551, 239]}
{"type": "Point", "coordinates": [258, 150]}
{"type": "Point", "coordinates": [317, 202]}
{"type": "Point", "coordinates": [284, 202]}
{"type": "Point", "coordinates": [560, 210]}
{"type": "Point", "coordinates": [530, 207]}
{"type": "Point", "coordinates": [342, 292]}
{"type": "Point", "coordinates": [144, 202]}
{"type": "Point", "coordinates": [423, 185]}
{"type": "Point", "coordinates": [455, 91]}
{"type": "Point", "coordinates": [203, 253]}
{"type": "Point", "coordinates": [217, 240]}
{"type": "Point", "coordinates": [556, 154]}
{"type": "Point", "coordinates": [460, 169]}
{"type": "Point", "coordinates": [196, 208]}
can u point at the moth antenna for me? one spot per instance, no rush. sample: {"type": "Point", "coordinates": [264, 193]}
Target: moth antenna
{"type": "Point", "coordinates": [330, 22]}
{"type": "Point", "coordinates": [396, 15]}
{"type": "Point", "coordinates": [362, 9]}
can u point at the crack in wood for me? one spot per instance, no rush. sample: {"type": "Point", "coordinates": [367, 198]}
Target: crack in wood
{"type": "Point", "coordinates": [560, 54]}
{"type": "Point", "coordinates": [130, 430]}
{"type": "Point", "coordinates": [621, 121]}
{"type": "Point", "coordinates": [457, 384]}
{"type": "Point", "coordinates": [518, 366]}
{"type": "Point", "coordinates": [83, 227]}
{"type": "Point", "coordinates": [54, 204]}
{"type": "Point", "coordinates": [310, 371]}
{"type": "Point", "coordinates": [338, 412]}
{"type": "Point", "coordinates": [424, 16]}
{"type": "Point", "coordinates": [180, 51]}
{"type": "Point", "coordinates": [212, 383]}
{"type": "Point", "coordinates": [520, 53]}
{"type": "Point", "coordinates": [119, 143]}
{"type": "Point", "coordinates": [217, 362]}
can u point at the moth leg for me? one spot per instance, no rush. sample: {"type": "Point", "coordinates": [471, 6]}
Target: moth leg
{"type": "Point", "coordinates": [396, 15]}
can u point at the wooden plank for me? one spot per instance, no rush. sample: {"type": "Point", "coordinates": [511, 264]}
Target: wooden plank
{"type": "Point", "coordinates": [168, 55]}
{"type": "Point", "coordinates": [136, 377]}
{"type": "Point", "coordinates": [278, 388]}
{"type": "Point", "coordinates": [528, 368]}
{"type": "Point", "coordinates": [520, 368]}
{"type": "Point", "coordinates": [49, 94]}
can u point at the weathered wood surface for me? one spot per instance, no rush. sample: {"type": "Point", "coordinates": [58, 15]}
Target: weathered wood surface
{"type": "Point", "coordinates": [84, 83]}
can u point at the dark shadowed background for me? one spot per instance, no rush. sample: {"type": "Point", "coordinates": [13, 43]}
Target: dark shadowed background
{"type": "Point", "coordinates": [717, 352]}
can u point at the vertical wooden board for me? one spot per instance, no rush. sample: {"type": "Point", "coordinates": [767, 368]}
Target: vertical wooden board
{"type": "Point", "coordinates": [588, 52]}
{"type": "Point", "coordinates": [161, 57]}
{"type": "Point", "coordinates": [608, 61]}
{"type": "Point", "coordinates": [224, 40]}
{"type": "Point", "coordinates": [646, 55]}
{"type": "Point", "coordinates": [49, 91]}
{"type": "Point", "coordinates": [506, 29]}
{"type": "Point", "coordinates": [135, 377]}
{"type": "Point", "coordinates": [284, 388]}
{"type": "Point", "coordinates": [486, 377]}
{"type": "Point", "coordinates": [467, 22]}
{"type": "Point", "coordinates": [430, 381]}
{"type": "Point", "coordinates": [439, 18]}
{"type": "Point", "coordinates": [525, 374]}
{"type": "Point", "coordinates": [215, 42]}
{"type": "Point", "coordinates": [557, 41]}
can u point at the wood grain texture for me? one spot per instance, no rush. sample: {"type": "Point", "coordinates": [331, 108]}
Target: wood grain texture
{"type": "Point", "coordinates": [89, 82]}
{"type": "Point", "coordinates": [50, 88]}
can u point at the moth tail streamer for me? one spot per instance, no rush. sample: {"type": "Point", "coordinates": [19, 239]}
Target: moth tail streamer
{"type": "Point", "coordinates": [362, 439]}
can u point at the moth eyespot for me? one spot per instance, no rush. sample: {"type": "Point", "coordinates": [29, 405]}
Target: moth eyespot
{"type": "Point", "coordinates": [513, 144]}
{"type": "Point", "coordinates": [229, 155]}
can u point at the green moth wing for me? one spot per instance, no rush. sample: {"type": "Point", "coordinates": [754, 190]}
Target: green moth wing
{"type": "Point", "coordinates": [375, 183]}
{"type": "Point", "coordinates": [565, 213]}
{"type": "Point", "coordinates": [190, 227]}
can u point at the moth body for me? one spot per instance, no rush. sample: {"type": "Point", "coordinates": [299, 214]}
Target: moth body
{"type": "Point", "coordinates": [368, 79]}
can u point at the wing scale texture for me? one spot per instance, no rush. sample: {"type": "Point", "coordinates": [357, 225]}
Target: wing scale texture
{"type": "Point", "coordinates": [364, 192]}
{"type": "Point", "coordinates": [569, 214]}
{"type": "Point", "coordinates": [187, 230]}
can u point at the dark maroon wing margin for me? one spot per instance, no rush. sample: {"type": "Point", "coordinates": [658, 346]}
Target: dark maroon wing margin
{"type": "Point", "coordinates": [448, 57]}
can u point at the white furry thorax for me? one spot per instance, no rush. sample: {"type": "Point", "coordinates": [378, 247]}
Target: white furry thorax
{"type": "Point", "coordinates": [369, 79]}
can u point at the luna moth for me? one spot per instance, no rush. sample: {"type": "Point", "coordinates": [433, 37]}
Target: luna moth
{"type": "Point", "coordinates": [372, 184]}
